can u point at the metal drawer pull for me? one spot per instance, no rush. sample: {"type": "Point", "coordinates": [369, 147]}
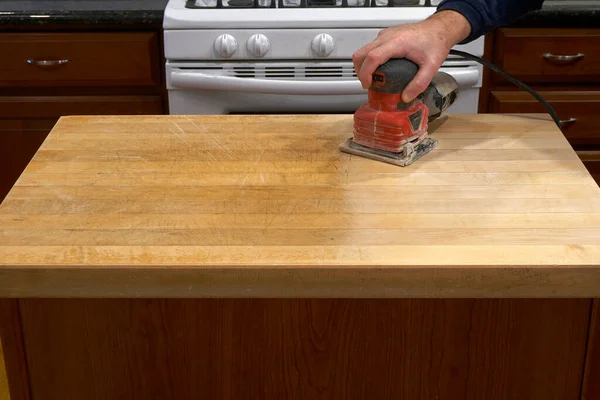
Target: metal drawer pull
{"type": "Point", "coordinates": [550, 56]}
{"type": "Point", "coordinates": [47, 62]}
{"type": "Point", "coordinates": [567, 121]}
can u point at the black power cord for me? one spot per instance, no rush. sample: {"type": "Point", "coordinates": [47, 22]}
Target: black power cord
{"type": "Point", "coordinates": [512, 79]}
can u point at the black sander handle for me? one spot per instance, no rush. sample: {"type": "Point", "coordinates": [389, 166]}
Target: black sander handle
{"type": "Point", "coordinates": [393, 75]}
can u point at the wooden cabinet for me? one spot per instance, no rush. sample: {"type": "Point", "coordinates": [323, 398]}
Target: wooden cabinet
{"type": "Point", "coordinates": [591, 159]}
{"type": "Point", "coordinates": [563, 66]}
{"type": "Point", "coordinates": [52, 107]}
{"type": "Point", "coordinates": [26, 121]}
{"type": "Point", "coordinates": [19, 140]}
{"type": "Point", "coordinates": [44, 76]}
{"type": "Point", "coordinates": [548, 55]}
{"type": "Point", "coordinates": [79, 59]}
{"type": "Point", "coordinates": [137, 349]}
{"type": "Point", "coordinates": [579, 111]}
{"type": "Point", "coordinates": [591, 382]}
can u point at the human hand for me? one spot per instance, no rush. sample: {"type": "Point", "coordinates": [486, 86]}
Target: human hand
{"type": "Point", "coordinates": [425, 43]}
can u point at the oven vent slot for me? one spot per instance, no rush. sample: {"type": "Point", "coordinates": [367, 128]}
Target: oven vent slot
{"type": "Point", "coordinates": [280, 72]}
{"type": "Point", "coordinates": [244, 72]}
{"type": "Point", "coordinates": [329, 72]}
{"type": "Point", "coordinates": [320, 72]}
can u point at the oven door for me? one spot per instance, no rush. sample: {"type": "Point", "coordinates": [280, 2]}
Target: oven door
{"type": "Point", "coordinates": [288, 87]}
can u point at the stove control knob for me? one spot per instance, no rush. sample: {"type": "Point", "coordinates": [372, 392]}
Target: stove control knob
{"type": "Point", "coordinates": [323, 44]}
{"type": "Point", "coordinates": [258, 45]}
{"type": "Point", "coordinates": [225, 45]}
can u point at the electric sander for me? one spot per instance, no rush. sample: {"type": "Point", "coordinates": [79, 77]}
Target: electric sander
{"type": "Point", "coordinates": [390, 130]}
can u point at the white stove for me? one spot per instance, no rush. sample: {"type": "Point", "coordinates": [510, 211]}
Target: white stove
{"type": "Point", "coordinates": [285, 56]}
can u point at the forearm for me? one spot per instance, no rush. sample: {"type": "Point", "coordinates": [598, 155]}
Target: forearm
{"type": "Point", "coordinates": [486, 15]}
{"type": "Point", "coordinates": [450, 26]}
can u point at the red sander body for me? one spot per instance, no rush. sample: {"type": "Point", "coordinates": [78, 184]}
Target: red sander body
{"type": "Point", "coordinates": [389, 130]}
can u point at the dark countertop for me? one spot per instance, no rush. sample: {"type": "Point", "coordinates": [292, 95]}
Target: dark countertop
{"type": "Point", "coordinates": [563, 14]}
{"type": "Point", "coordinates": [28, 13]}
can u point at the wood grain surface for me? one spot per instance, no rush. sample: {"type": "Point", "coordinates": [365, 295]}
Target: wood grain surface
{"type": "Point", "coordinates": [238, 349]}
{"type": "Point", "coordinates": [268, 206]}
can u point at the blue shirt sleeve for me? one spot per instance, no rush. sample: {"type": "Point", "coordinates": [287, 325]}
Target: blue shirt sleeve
{"type": "Point", "coordinates": [486, 15]}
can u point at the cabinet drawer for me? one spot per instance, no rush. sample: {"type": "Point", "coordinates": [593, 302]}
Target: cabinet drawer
{"type": "Point", "coordinates": [58, 106]}
{"type": "Point", "coordinates": [591, 160]}
{"type": "Point", "coordinates": [79, 59]}
{"type": "Point", "coordinates": [579, 110]}
{"type": "Point", "coordinates": [533, 55]}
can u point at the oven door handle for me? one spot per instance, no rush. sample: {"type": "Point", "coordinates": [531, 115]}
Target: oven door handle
{"type": "Point", "coordinates": [190, 79]}
{"type": "Point", "coordinates": [202, 81]}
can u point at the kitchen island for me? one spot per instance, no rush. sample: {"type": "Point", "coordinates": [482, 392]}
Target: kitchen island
{"type": "Point", "coordinates": [244, 257]}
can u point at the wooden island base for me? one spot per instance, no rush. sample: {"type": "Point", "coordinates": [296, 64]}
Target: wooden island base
{"type": "Point", "coordinates": [301, 349]}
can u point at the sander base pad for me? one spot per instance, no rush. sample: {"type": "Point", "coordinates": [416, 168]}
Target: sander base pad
{"type": "Point", "coordinates": [401, 159]}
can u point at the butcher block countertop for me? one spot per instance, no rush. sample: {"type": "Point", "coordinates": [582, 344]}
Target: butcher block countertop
{"type": "Point", "coordinates": [267, 206]}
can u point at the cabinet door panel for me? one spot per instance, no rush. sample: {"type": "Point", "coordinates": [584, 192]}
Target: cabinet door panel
{"type": "Point", "coordinates": [233, 349]}
{"type": "Point", "coordinates": [578, 110]}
